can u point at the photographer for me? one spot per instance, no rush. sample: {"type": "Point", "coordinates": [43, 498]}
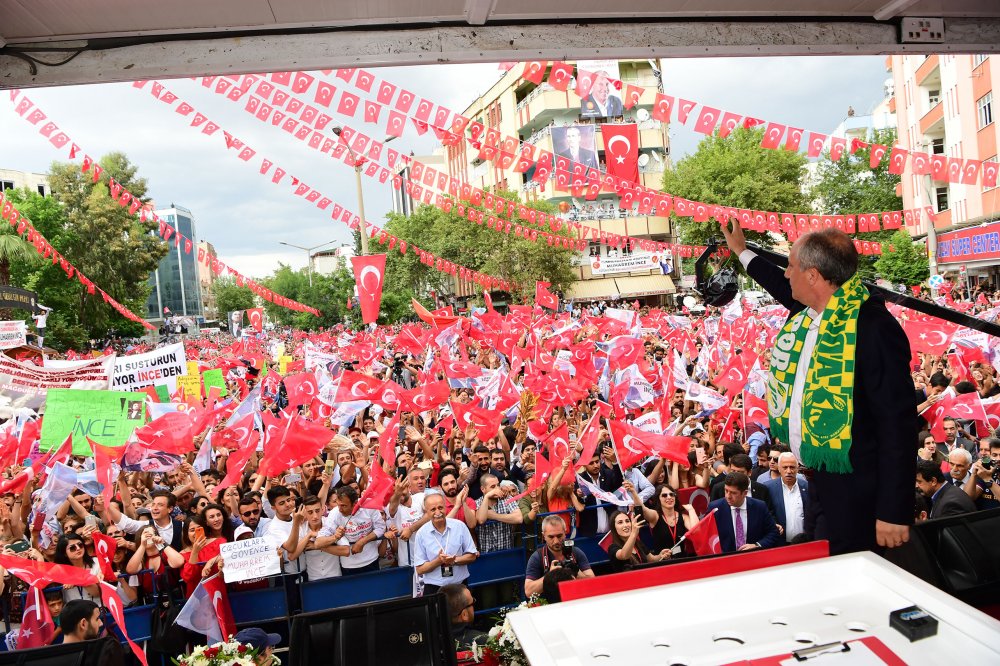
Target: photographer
{"type": "Point", "coordinates": [984, 476]}
{"type": "Point", "coordinates": [557, 552]}
{"type": "Point", "coordinates": [400, 373]}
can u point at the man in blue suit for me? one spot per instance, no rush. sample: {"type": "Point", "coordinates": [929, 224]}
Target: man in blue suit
{"type": "Point", "coordinates": [789, 497]}
{"type": "Point", "coordinates": [744, 523]}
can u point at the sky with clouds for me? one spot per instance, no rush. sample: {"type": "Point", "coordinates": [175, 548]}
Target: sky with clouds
{"type": "Point", "coordinates": [246, 217]}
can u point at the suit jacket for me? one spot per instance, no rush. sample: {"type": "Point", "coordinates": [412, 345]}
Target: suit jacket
{"type": "Point", "coordinates": [586, 157]}
{"type": "Point", "coordinates": [951, 501]}
{"type": "Point", "coordinates": [757, 491]}
{"type": "Point", "coordinates": [760, 525]}
{"type": "Point", "coordinates": [590, 109]}
{"type": "Point", "coordinates": [880, 487]}
{"type": "Point", "coordinates": [777, 494]}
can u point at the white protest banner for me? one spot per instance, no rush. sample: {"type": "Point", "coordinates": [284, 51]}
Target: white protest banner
{"type": "Point", "coordinates": [249, 559]}
{"type": "Point", "coordinates": [314, 357]}
{"type": "Point", "coordinates": [12, 334]}
{"type": "Point", "coordinates": [25, 384]}
{"type": "Point", "coordinates": [636, 261]}
{"type": "Point", "coordinates": [161, 366]}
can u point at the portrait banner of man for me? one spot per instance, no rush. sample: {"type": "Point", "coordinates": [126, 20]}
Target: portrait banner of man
{"type": "Point", "coordinates": [602, 99]}
{"type": "Point", "coordinates": [577, 144]}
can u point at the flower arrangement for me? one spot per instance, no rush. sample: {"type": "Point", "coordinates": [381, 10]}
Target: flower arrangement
{"type": "Point", "coordinates": [502, 646]}
{"type": "Point", "coordinates": [226, 653]}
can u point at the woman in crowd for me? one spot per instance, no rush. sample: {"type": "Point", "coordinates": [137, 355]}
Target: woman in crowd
{"type": "Point", "coordinates": [929, 449]}
{"type": "Point", "coordinates": [72, 550]}
{"type": "Point", "coordinates": [667, 525]}
{"type": "Point", "coordinates": [153, 557]}
{"type": "Point", "coordinates": [626, 549]}
{"type": "Point", "coordinates": [204, 533]}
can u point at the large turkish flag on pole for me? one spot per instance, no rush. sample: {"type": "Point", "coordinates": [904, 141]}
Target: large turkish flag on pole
{"type": "Point", "coordinates": [621, 151]}
{"type": "Point", "coordinates": [369, 275]}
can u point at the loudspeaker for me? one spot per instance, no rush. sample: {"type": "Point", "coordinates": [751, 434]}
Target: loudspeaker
{"type": "Point", "coordinates": [416, 632]}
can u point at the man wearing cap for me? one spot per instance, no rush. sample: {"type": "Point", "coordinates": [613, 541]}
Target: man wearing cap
{"type": "Point", "coordinates": [261, 642]}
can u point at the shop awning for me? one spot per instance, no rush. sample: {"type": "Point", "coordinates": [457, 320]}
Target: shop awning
{"type": "Point", "coordinates": [645, 285]}
{"type": "Point", "coordinates": [592, 290]}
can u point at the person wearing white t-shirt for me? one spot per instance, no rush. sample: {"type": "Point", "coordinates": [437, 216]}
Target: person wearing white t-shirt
{"type": "Point", "coordinates": [363, 529]}
{"type": "Point", "coordinates": [279, 531]}
{"type": "Point", "coordinates": [319, 563]}
{"type": "Point", "coordinates": [405, 516]}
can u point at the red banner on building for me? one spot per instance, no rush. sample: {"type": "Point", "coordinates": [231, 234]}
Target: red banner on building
{"type": "Point", "coordinates": [621, 151]}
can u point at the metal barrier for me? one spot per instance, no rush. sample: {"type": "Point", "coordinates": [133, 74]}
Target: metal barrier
{"type": "Point", "coordinates": [341, 591]}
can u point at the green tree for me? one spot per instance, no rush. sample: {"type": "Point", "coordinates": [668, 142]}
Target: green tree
{"type": "Point", "coordinates": [901, 261]}
{"type": "Point", "coordinates": [328, 294]}
{"type": "Point", "coordinates": [850, 186]}
{"type": "Point", "coordinates": [512, 258]}
{"type": "Point", "coordinates": [108, 244]}
{"type": "Point", "coordinates": [736, 171]}
{"type": "Point", "coordinates": [229, 296]}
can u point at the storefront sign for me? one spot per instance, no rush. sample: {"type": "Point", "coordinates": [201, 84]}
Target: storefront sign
{"type": "Point", "coordinates": [637, 261]}
{"type": "Point", "coordinates": [975, 244]}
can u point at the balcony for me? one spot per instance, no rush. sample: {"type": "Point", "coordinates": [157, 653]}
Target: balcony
{"type": "Point", "coordinates": [932, 122]}
{"type": "Point", "coordinates": [928, 68]}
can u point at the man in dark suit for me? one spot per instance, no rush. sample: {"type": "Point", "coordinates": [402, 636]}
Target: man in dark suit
{"type": "Point", "coordinates": [574, 152]}
{"type": "Point", "coordinates": [790, 497]}
{"type": "Point", "coordinates": [946, 499]}
{"type": "Point", "coordinates": [872, 504]}
{"type": "Point", "coordinates": [741, 463]}
{"type": "Point", "coordinates": [600, 103]}
{"type": "Point", "coordinates": [743, 522]}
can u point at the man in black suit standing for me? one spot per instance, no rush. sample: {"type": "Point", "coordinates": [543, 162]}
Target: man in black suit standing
{"type": "Point", "coordinates": [741, 463]}
{"type": "Point", "coordinates": [947, 499]}
{"type": "Point", "coordinates": [743, 523]}
{"type": "Point", "coordinates": [860, 487]}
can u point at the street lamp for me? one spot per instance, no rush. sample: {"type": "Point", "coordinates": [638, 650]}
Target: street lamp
{"type": "Point", "coordinates": [358, 161]}
{"type": "Point", "coordinates": [309, 255]}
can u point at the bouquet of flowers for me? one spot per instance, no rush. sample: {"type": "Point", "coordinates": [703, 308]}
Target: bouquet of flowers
{"type": "Point", "coordinates": [502, 646]}
{"type": "Point", "coordinates": [226, 653]}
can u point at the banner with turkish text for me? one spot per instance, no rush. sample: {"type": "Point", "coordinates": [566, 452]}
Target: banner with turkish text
{"type": "Point", "coordinates": [25, 384]}
{"type": "Point", "coordinates": [161, 366]}
{"type": "Point", "coordinates": [107, 417]}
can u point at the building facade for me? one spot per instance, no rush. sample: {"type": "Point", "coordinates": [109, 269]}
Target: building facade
{"type": "Point", "coordinates": [206, 279]}
{"type": "Point", "coordinates": [944, 106]}
{"type": "Point", "coordinates": [175, 283]}
{"type": "Point", "coordinates": [11, 179]}
{"type": "Point", "coordinates": [552, 120]}
{"type": "Point", "coordinates": [328, 262]}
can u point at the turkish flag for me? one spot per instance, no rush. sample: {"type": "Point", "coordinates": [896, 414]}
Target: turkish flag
{"type": "Point", "coordinates": [697, 497]}
{"type": "Point", "coordinates": [376, 495]}
{"type": "Point", "coordinates": [216, 588]}
{"type": "Point", "coordinates": [734, 376]}
{"type": "Point", "coordinates": [170, 433]}
{"type": "Point", "coordinates": [103, 457]}
{"type": "Point", "coordinates": [111, 601]}
{"type": "Point", "coordinates": [755, 410]}
{"type": "Point", "coordinates": [301, 440]}
{"type": "Point", "coordinates": [301, 388]}
{"type": "Point", "coordinates": [545, 298]}
{"type": "Point", "coordinates": [935, 415]}
{"type": "Point", "coordinates": [621, 151]}
{"type": "Point", "coordinates": [589, 438]}
{"type": "Point", "coordinates": [931, 336]}
{"type": "Point", "coordinates": [104, 551]}
{"type": "Point", "coordinates": [427, 396]}
{"type": "Point", "coordinates": [461, 369]}
{"type": "Point", "coordinates": [37, 627]}
{"type": "Point", "coordinates": [256, 316]}
{"type": "Point", "coordinates": [560, 75]}
{"type": "Point", "coordinates": [43, 573]}
{"type": "Point", "coordinates": [704, 537]}
{"type": "Point", "coordinates": [238, 460]}
{"type": "Point", "coordinates": [991, 406]}
{"type": "Point", "coordinates": [369, 275]}
{"type": "Point", "coordinates": [630, 444]}
{"type": "Point", "coordinates": [968, 407]}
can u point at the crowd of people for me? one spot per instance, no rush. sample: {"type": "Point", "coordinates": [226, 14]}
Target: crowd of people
{"type": "Point", "coordinates": [473, 435]}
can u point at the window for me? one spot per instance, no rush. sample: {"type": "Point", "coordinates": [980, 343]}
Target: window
{"type": "Point", "coordinates": [978, 59]}
{"type": "Point", "coordinates": [6, 185]}
{"type": "Point", "coordinates": [984, 109]}
{"type": "Point", "coordinates": [933, 98]}
{"type": "Point", "coordinates": [937, 146]}
{"type": "Point", "coordinates": [41, 190]}
{"type": "Point", "coordinates": [941, 198]}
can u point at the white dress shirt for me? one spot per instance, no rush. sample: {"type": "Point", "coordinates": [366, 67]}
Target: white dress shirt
{"type": "Point", "coordinates": [795, 513]}
{"type": "Point", "coordinates": [801, 371]}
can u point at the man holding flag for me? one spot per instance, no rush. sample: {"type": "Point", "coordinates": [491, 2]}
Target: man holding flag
{"type": "Point", "coordinates": [839, 390]}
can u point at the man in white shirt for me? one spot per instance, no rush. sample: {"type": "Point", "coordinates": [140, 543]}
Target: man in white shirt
{"type": "Point", "coordinates": [279, 531]}
{"type": "Point", "coordinates": [443, 548]}
{"type": "Point", "coordinates": [318, 563]}
{"type": "Point", "coordinates": [160, 504]}
{"type": "Point", "coordinates": [363, 528]}
{"type": "Point", "coordinates": [789, 496]}
{"type": "Point", "coordinates": [405, 516]}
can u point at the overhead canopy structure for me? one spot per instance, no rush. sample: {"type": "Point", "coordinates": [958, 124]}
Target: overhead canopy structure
{"type": "Point", "coordinates": [59, 42]}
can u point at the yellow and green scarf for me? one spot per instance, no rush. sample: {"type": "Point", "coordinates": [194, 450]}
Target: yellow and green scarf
{"type": "Point", "coordinates": [828, 399]}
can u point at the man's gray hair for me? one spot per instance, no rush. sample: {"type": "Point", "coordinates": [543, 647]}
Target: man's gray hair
{"type": "Point", "coordinates": [554, 521]}
{"type": "Point", "coordinates": [432, 492]}
{"type": "Point", "coordinates": [962, 454]}
{"type": "Point", "coordinates": [831, 252]}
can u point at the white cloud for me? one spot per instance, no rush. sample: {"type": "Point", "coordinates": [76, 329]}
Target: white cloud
{"type": "Point", "coordinates": [245, 216]}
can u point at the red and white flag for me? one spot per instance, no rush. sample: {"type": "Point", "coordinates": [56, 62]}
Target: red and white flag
{"type": "Point", "coordinates": [704, 536]}
{"type": "Point", "coordinates": [256, 316]}
{"type": "Point", "coordinates": [369, 276]}
{"type": "Point", "coordinates": [931, 336]}
{"type": "Point", "coordinates": [37, 627]}
{"type": "Point", "coordinates": [111, 601]}
{"type": "Point", "coordinates": [544, 297]}
{"type": "Point", "coordinates": [621, 151]}
{"type": "Point", "coordinates": [104, 550]}
{"type": "Point", "coordinates": [216, 588]}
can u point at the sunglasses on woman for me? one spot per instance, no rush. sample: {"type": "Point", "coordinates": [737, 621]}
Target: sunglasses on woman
{"type": "Point", "coordinates": [665, 495]}
{"type": "Point", "coordinates": [73, 547]}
